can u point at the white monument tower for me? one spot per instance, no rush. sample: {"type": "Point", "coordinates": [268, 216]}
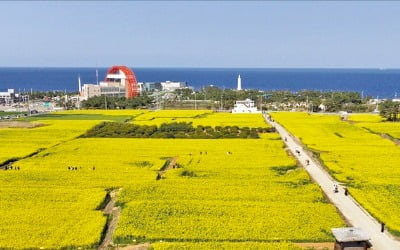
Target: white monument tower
{"type": "Point", "coordinates": [239, 83]}
{"type": "Point", "coordinates": [80, 85]}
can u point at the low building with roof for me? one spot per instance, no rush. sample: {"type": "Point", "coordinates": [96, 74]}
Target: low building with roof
{"type": "Point", "coordinates": [7, 97]}
{"type": "Point", "coordinates": [351, 238]}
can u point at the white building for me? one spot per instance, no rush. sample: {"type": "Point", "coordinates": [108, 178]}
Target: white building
{"type": "Point", "coordinates": [89, 90]}
{"type": "Point", "coordinates": [7, 96]}
{"type": "Point", "coordinates": [171, 86]}
{"type": "Point", "coordinates": [322, 107]}
{"type": "Point", "coordinates": [8, 93]}
{"type": "Point", "coordinates": [246, 106]}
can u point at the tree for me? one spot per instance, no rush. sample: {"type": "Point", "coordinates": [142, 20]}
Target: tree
{"type": "Point", "coordinates": [390, 110]}
{"type": "Point", "coordinates": [114, 102]}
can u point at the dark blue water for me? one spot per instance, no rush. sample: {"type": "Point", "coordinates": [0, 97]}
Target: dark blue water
{"type": "Point", "coordinates": [373, 82]}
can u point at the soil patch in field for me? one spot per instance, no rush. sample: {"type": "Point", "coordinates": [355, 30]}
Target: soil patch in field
{"type": "Point", "coordinates": [113, 213]}
{"type": "Point", "coordinates": [20, 124]}
{"type": "Point", "coordinates": [316, 245]}
{"type": "Point", "coordinates": [143, 246]}
{"type": "Point", "coordinates": [170, 163]}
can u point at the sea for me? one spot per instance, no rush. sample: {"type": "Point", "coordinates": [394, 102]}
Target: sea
{"type": "Point", "coordinates": [376, 83]}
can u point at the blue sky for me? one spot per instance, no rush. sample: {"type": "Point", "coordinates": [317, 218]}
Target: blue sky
{"type": "Point", "coordinates": [201, 34]}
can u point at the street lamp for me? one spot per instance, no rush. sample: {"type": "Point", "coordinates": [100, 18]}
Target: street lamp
{"type": "Point", "coordinates": [28, 109]}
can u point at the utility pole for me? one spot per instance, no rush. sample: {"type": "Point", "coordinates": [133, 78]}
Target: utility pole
{"type": "Point", "coordinates": [29, 111]}
{"type": "Point", "coordinates": [195, 97]}
{"type": "Point", "coordinates": [97, 75]}
{"type": "Point", "coordinates": [105, 101]}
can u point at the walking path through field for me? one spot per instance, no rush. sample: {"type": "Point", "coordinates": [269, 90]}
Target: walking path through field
{"type": "Point", "coordinates": [114, 212]}
{"type": "Point", "coordinates": [351, 210]}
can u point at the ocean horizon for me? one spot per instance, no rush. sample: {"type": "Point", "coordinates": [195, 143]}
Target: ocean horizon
{"type": "Point", "coordinates": [374, 82]}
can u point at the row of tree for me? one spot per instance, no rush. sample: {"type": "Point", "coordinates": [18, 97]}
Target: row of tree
{"type": "Point", "coordinates": [213, 97]}
{"type": "Point", "coordinates": [390, 110]}
{"type": "Point", "coordinates": [114, 102]}
{"type": "Point", "coordinates": [226, 98]}
{"type": "Point", "coordinates": [173, 130]}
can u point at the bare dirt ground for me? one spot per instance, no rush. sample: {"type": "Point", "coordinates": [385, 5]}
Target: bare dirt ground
{"type": "Point", "coordinates": [316, 245]}
{"type": "Point", "coordinates": [143, 246]}
{"type": "Point", "coordinates": [19, 124]}
{"type": "Point", "coordinates": [388, 137]}
{"type": "Point", "coordinates": [114, 212]}
{"type": "Point", "coordinates": [171, 165]}
{"type": "Point", "coordinates": [305, 245]}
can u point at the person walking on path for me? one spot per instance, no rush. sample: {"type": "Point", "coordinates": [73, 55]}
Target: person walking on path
{"type": "Point", "coordinates": [382, 227]}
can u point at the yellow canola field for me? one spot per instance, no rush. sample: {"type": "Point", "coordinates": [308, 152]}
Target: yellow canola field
{"type": "Point", "coordinates": [365, 118]}
{"type": "Point", "coordinates": [20, 142]}
{"type": "Point", "coordinates": [252, 193]}
{"type": "Point", "coordinates": [113, 112]}
{"type": "Point", "coordinates": [376, 124]}
{"type": "Point", "coordinates": [55, 128]}
{"type": "Point", "coordinates": [389, 128]}
{"type": "Point", "coordinates": [49, 206]}
{"type": "Point", "coordinates": [201, 117]}
{"type": "Point", "coordinates": [365, 161]}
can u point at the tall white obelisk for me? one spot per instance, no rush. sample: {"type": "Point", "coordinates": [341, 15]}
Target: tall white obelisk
{"type": "Point", "coordinates": [79, 84]}
{"type": "Point", "coordinates": [239, 83]}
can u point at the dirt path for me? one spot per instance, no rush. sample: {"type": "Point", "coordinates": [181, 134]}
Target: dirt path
{"type": "Point", "coordinates": [143, 246]}
{"type": "Point", "coordinates": [384, 136]}
{"type": "Point", "coordinates": [20, 124]}
{"type": "Point", "coordinates": [316, 245]}
{"type": "Point", "coordinates": [112, 212]}
{"type": "Point", "coordinates": [353, 212]}
{"type": "Point", "coordinates": [171, 165]}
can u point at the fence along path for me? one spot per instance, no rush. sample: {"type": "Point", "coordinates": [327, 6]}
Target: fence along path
{"type": "Point", "coordinates": [354, 213]}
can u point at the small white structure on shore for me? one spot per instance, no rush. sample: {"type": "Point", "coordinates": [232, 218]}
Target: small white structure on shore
{"type": "Point", "coordinates": [246, 106]}
{"type": "Point", "coordinates": [322, 107]}
{"type": "Point", "coordinates": [171, 86]}
{"type": "Point", "coordinates": [239, 83]}
{"type": "Point", "coordinates": [7, 96]}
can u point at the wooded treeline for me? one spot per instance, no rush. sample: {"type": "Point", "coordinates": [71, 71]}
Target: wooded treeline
{"type": "Point", "coordinates": [173, 130]}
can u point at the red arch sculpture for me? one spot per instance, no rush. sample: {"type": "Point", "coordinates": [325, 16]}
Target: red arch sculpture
{"type": "Point", "coordinates": [131, 85]}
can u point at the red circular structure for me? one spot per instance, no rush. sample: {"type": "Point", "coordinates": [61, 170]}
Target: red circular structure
{"type": "Point", "coordinates": [131, 85]}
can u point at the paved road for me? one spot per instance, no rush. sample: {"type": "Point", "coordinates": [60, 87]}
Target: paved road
{"type": "Point", "coordinates": [350, 209]}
